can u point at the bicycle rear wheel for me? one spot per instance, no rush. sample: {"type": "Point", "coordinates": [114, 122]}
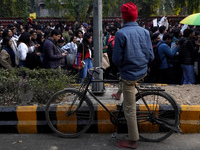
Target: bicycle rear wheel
{"type": "Point", "coordinates": [66, 122]}
{"type": "Point", "coordinates": [164, 119]}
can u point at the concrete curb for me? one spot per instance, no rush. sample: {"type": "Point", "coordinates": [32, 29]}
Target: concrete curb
{"type": "Point", "coordinates": [31, 119]}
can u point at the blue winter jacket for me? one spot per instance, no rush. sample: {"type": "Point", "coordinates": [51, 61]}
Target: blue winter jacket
{"type": "Point", "coordinates": [132, 51]}
{"type": "Point", "coordinates": [165, 51]}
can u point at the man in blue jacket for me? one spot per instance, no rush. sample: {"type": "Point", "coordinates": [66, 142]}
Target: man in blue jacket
{"type": "Point", "coordinates": [165, 53]}
{"type": "Point", "coordinates": [131, 54]}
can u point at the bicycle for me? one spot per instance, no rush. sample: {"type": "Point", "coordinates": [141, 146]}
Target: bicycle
{"type": "Point", "coordinates": [70, 112]}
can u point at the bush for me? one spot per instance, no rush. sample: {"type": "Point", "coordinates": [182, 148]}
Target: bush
{"type": "Point", "coordinates": [23, 86]}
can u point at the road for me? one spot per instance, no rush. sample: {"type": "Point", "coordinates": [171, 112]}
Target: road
{"type": "Point", "coordinates": [92, 142]}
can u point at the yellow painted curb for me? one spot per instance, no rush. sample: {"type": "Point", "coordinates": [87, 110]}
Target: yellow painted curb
{"type": "Point", "coordinates": [103, 119]}
{"type": "Point", "coordinates": [27, 119]}
{"type": "Point", "coordinates": [147, 126]}
{"type": "Point", "coordinates": [64, 123]}
{"type": "Point", "coordinates": [190, 119]}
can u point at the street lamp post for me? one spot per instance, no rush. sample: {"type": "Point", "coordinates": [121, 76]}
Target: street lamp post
{"type": "Point", "coordinates": [98, 87]}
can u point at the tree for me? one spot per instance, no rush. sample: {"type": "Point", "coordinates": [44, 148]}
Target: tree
{"type": "Point", "coordinates": [82, 10]}
{"type": "Point", "coordinates": [146, 8]}
{"type": "Point", "coordinates": [6, 8]}
{"type": "Point", "coordinates": [13, 8]}
{"type": "Point", "coordinates": [21, 8]}
{"type": "Point", "coordinates": [184, 7]}
{"type": "Point", "coordinates": [72, 9]}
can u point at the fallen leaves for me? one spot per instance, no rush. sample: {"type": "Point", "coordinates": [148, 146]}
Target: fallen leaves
{"type": "Point", "coordinates": [17, 142]}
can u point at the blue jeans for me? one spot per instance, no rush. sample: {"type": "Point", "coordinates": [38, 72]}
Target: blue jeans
{"type": "Point", "coordinates": [88, 65]}
{"type": "Point", "coordinates": [188, 74]}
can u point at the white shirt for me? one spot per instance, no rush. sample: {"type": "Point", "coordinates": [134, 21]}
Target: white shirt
{"type": "Point", "coordinates": [80, 39]}
{"type": "Point", "coordinates": [71, 47]}
{"type": "Point", "coordinates": [161, 36]}
{"type": "Point", "coordinates": [22, 51]}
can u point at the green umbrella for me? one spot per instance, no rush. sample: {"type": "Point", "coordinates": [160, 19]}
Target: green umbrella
{"type": "Point", "coordinates": [193, 19]}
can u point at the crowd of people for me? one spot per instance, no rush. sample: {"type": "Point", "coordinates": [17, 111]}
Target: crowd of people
{"type": "Point", "coordinates": [69, 46]}
{"type": "Point", "coordinates": [57, 46]}
{"type": "Point", "coordinates": [179, 51]}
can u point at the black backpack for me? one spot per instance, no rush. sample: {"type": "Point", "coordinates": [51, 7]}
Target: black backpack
{"type": "Point", "coordinates": [156, 63]}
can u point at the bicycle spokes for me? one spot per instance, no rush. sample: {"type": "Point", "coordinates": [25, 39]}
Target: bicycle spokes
{"type": "Point", "coordinates": [158, 117]}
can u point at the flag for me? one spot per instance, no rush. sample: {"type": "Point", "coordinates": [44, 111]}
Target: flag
{"type": "Point", "coordinates": [32, 15]}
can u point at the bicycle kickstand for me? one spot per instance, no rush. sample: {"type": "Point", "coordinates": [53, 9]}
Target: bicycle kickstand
{"type": "Point", "coordinates": [114, 134]}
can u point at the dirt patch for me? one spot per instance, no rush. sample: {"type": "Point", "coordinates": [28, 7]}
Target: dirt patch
{"type": "Point", "coordinates": [184, 94]}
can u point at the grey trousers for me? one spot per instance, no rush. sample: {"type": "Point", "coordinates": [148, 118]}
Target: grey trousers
{"type": "Point", "coordinates": [129, 106]}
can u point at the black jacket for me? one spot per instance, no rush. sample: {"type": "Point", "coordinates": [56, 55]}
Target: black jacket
{"type": "Point", "coordinates": [186, 51]}
{"type": "Point", "coordinates": [52, 56]}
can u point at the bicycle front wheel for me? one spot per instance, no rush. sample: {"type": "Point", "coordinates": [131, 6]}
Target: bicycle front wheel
{"type": "Point", "coordinates": [163, 118]}
{"type": "Point", "coordinates": [66, 116]}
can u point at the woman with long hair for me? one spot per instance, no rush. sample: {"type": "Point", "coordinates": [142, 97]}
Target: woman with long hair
{"type": "Point", "coordinates": [79, 35]}
{"type": "Point", "coordinates": [84, 55]}
{"type": "Point", "coordinates": [8, 32]}
{"type": "Point", "coordinates": [22, 49]}
{"type": "Point", "coordinates": [7, 55]}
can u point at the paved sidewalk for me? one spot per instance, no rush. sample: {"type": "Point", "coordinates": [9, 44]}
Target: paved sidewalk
{"type": "Point", "coordinates": [92, 142]}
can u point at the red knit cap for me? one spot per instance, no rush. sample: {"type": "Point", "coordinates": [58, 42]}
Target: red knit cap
{"type": "Point", "coordinates": [129, 11]}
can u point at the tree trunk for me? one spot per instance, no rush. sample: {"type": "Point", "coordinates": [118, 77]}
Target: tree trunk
{"type": "Point", "coordinates": [184, 11]}
{"type": "Point", "coordinates": [78, 17]}
{"type": "Point", "coordinates": [89, 11]}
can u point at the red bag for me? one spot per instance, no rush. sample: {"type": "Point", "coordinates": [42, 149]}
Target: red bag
{"type": "Point", "coordinates": [82, 63]}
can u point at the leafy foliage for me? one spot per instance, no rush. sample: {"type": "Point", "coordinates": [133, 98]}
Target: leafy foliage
{"type": "Point", "coordinates": [78, 9]}
{"type": "Point", "coordinates": [14, 8]}
{"type": "Point", "coordinates": [24, 86]}
{"type": "Point", "coordinates": [179, 7]}
{"type": "Point", "coordinates": [81, 10]}
{"type": "Point", "coordinates": [72, 9]}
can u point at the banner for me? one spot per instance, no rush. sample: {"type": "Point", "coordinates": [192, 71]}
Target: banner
{"type": "Point", "coordinates": [32, 16]}
{"type": "Point", "coordinates": [155, 23]}
{"type": "Point", "coordinates": [183, 28]}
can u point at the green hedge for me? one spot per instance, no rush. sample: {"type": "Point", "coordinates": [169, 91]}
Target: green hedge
{"type": "Point", "coordinates": [22, 86]}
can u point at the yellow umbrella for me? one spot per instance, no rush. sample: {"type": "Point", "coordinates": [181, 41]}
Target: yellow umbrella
{"type": "Point", "coordinates": [193, 19]}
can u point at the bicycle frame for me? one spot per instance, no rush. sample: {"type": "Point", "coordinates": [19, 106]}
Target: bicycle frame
{"type": "Point", "coordinates": [87, 82]}
{"type": "Point", "coordinates": [150, 110]}
{"type": "Point", "coordinates": [101, 103]}
{"type": "Point", "coordinates": [85, 89]}
{"type": "Point", "coordinates": [110, 113]}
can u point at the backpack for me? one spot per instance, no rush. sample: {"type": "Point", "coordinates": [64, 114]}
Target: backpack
{"type": "Point", "coordinates": [156, 63]}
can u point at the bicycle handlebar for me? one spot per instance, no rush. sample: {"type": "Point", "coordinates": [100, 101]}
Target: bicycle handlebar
{"type": "Point", "coordinates": [94, 69]}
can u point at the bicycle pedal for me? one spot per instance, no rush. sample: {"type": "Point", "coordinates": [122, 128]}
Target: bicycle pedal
{"type": "Point", "coordinates": [114, 135]}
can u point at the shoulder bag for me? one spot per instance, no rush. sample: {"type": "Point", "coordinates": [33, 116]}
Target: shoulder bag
{"type": "Point", "coordinates": [82, 59]}
{"type": "Point", "coordinates": [70, 58]}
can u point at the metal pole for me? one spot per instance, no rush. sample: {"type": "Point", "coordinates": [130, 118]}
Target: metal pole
{"type": "Point", "coordinates": [98, 43]}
